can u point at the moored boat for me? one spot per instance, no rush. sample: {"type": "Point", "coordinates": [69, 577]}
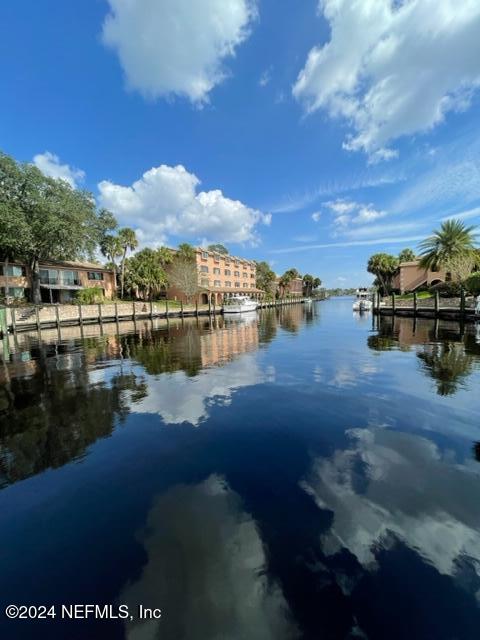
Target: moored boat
{"type": "Point", "coordinates": [239, 304]}
{"type": "Point", "coordinates": [363, 300]}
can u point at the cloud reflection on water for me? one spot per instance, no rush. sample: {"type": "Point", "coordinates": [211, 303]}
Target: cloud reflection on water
{"type": "Point", "coordinates": [206, 570]}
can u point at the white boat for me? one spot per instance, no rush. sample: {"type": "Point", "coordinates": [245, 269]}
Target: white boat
{"type": "Point", "coordinates": [363, 300]}
{"type": "Point", "coordinates": [239, 304]}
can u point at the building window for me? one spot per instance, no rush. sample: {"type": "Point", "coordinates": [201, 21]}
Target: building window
{"type": "Point", "coordinates": [228, 272]}
{"type": "Point", "coordinates": [95, 275]}
{"type": "Point", "coordinates": [69, 278]}
{"type": "Point", "coordinates": [237, 285]}
{"type": "Point", "coordinates": [245, 275]}
{"type": "Point", "coordinates": [228, 284]}
{"type": "Point", "coordinates": [14, 292]}
{"type": "Point", "coordinates": [216, 258]}
{"type": "Point", "coordinates": [252, 275]}
{"type": "Point", "coordinates": [217, 283]}
{"type": "Point", "coordinates": [204, 255]}
{"type": "Point", "coordinates": [204, 282]}
{"type": "Point", "coordinates": [236, 274]}
{"type": "Point", "coordinates": [204, 268]}
{"type": "Point", "coordinates": [13, 271]}
{"type": "Point", "coordinates": [252, 286]}
{"type": "Point", "coordinates": [49, 276]}
{"type": "Point", "coordinates": [216, 271]}
{"type": "Point", "coordinates": [245, 285]}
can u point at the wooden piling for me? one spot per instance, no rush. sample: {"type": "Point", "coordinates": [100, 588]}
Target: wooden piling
{"type": "Point", "coordinates": [57, 317]}
{"type": "Point", "coordinates": [437, 303]}
{"type": "Point", "coordinates": [80, 315]}
{"type": "Point", "coordinates": [415, 303]}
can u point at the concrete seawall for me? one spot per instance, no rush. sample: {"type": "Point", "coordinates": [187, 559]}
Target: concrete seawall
{"type": "Point", "coordinates": [40, 317]}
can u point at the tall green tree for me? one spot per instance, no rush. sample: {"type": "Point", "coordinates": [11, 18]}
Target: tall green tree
{"type": "Point", "coordinates": [406, 255]}
{"type": "Point", "coordinates": [307, 281]}
{"type": "Point", "coordinates": [128, 242]}
{"type": "Point", "coordinates": [383, 266]}
{"type": "Point", "coordinates": [218, 248]}
{"type": "Point", "coordinates": [47, 218]}
{"type": "Point", "coordinates": [185, 252]}
{"type": "Point", "coordinates": [145, 273]}
{"type": "Point", "coordinates": [452, 241]}
{"type": "Point", "coordinates": [112, 250]}
{"type": "Point", "coordinates": [265, 277]}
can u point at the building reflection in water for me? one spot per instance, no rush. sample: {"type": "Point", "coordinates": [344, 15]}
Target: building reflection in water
{"type": "Point", "coordinates": [206, 570]}
{"type": "Point", "coordinates": [58, 397]}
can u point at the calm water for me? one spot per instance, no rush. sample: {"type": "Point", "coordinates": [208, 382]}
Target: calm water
{"type": "Point", "coordinates": [298, 474]}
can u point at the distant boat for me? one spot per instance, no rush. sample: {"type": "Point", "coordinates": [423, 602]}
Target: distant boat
{"type": "Point", "coordinates": [363, 300]}
{"type": "Point", "coordinates": [239, 304]}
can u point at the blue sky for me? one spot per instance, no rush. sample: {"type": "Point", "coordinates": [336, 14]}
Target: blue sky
{"type": "Point", "coordinates": [310, 134]}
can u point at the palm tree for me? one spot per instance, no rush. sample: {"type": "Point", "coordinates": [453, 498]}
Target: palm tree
{"type": "Point", "coordinates": [452, 241]}
{"type": "Point", "coordinates": [308, 281]}
{"type": "Point", "coordinates": [186, 252]}
{"type": "Point", "coordinates": [128, 241]}
{"type": "Point", "coordinates": [406, 255]}
{"type": "Point", "coordinates": [112, 249]}
{"type": "Point", "coordinates": [383, 266]}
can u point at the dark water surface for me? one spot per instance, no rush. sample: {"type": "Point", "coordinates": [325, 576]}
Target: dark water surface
{"type": "Point", "coordinates": [298, 474]}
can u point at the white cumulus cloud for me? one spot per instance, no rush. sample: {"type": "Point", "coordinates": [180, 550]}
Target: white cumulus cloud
{"type": "Point", "coordinates": [50, 165]}
{"type": "Point", "coordinates": [176, 47]}
{"type": "Point", "coordinates": [393, 68]}
{"type": "Point", "coordinates": [165, 202]}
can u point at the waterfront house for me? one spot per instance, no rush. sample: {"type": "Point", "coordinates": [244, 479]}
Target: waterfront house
{"type": "Point", "coordinates": [59, 281]}
{"type": "Point", "coordinates": [221, 275]}
{"type": "Point", "coordinates": [410, 277]}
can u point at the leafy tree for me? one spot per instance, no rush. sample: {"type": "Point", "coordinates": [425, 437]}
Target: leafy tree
{"type": "Point", "coordinates": [452, 241]}
{"type": "Point", "coordinates": [383, 266]}
{"type": "Point", "coordinates": [218, 248]}
{"type": "Point", "coordinates": [145, 273]}
{"type": "Point", "coordinates": [265, 277]}
{"type": "Point", "coordinates": [472, 284]}
{"type": "Point", "coordinates": [317, 283]}
{"type": "Point", "coordinates": [128, 242]}
{"type": "Point", "coordinates": [42, 218]}
{"type": "Point", "coordinates": [406, 255]}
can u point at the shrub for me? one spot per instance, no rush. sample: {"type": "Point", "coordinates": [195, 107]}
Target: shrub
{"type": "Point", "coordinates": [91, 295]}
{"type": "Point", "coordinates": [447, 289]}
{"type": "Point", "coordinates": [472, 284]}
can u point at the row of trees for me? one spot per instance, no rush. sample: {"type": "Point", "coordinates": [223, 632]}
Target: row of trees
{"type": "Point", "coordinates": [42, 218]}
{"type": "Point", "coordinates": [452, 248]}
{"type": "Point", "coordinates": [267, 281]}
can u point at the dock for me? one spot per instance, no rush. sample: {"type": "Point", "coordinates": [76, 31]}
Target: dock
{"type": "Point", "coordinates": [15, 319]}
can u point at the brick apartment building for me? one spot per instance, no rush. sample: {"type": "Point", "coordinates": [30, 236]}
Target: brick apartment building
{"type": "Point", "coordinates": [220, 276]}
{"type": "Point", "coordinates": [59, 281]}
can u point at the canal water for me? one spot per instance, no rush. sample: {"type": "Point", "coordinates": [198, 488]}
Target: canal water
{"type": "Point", "coordinates": [301, 473]}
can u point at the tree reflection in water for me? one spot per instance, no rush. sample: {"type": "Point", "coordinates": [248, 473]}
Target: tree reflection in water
{"type": "Point", "coordinates": [448, 364]}
{"type": "Point", "coordinates": [448, 352]}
